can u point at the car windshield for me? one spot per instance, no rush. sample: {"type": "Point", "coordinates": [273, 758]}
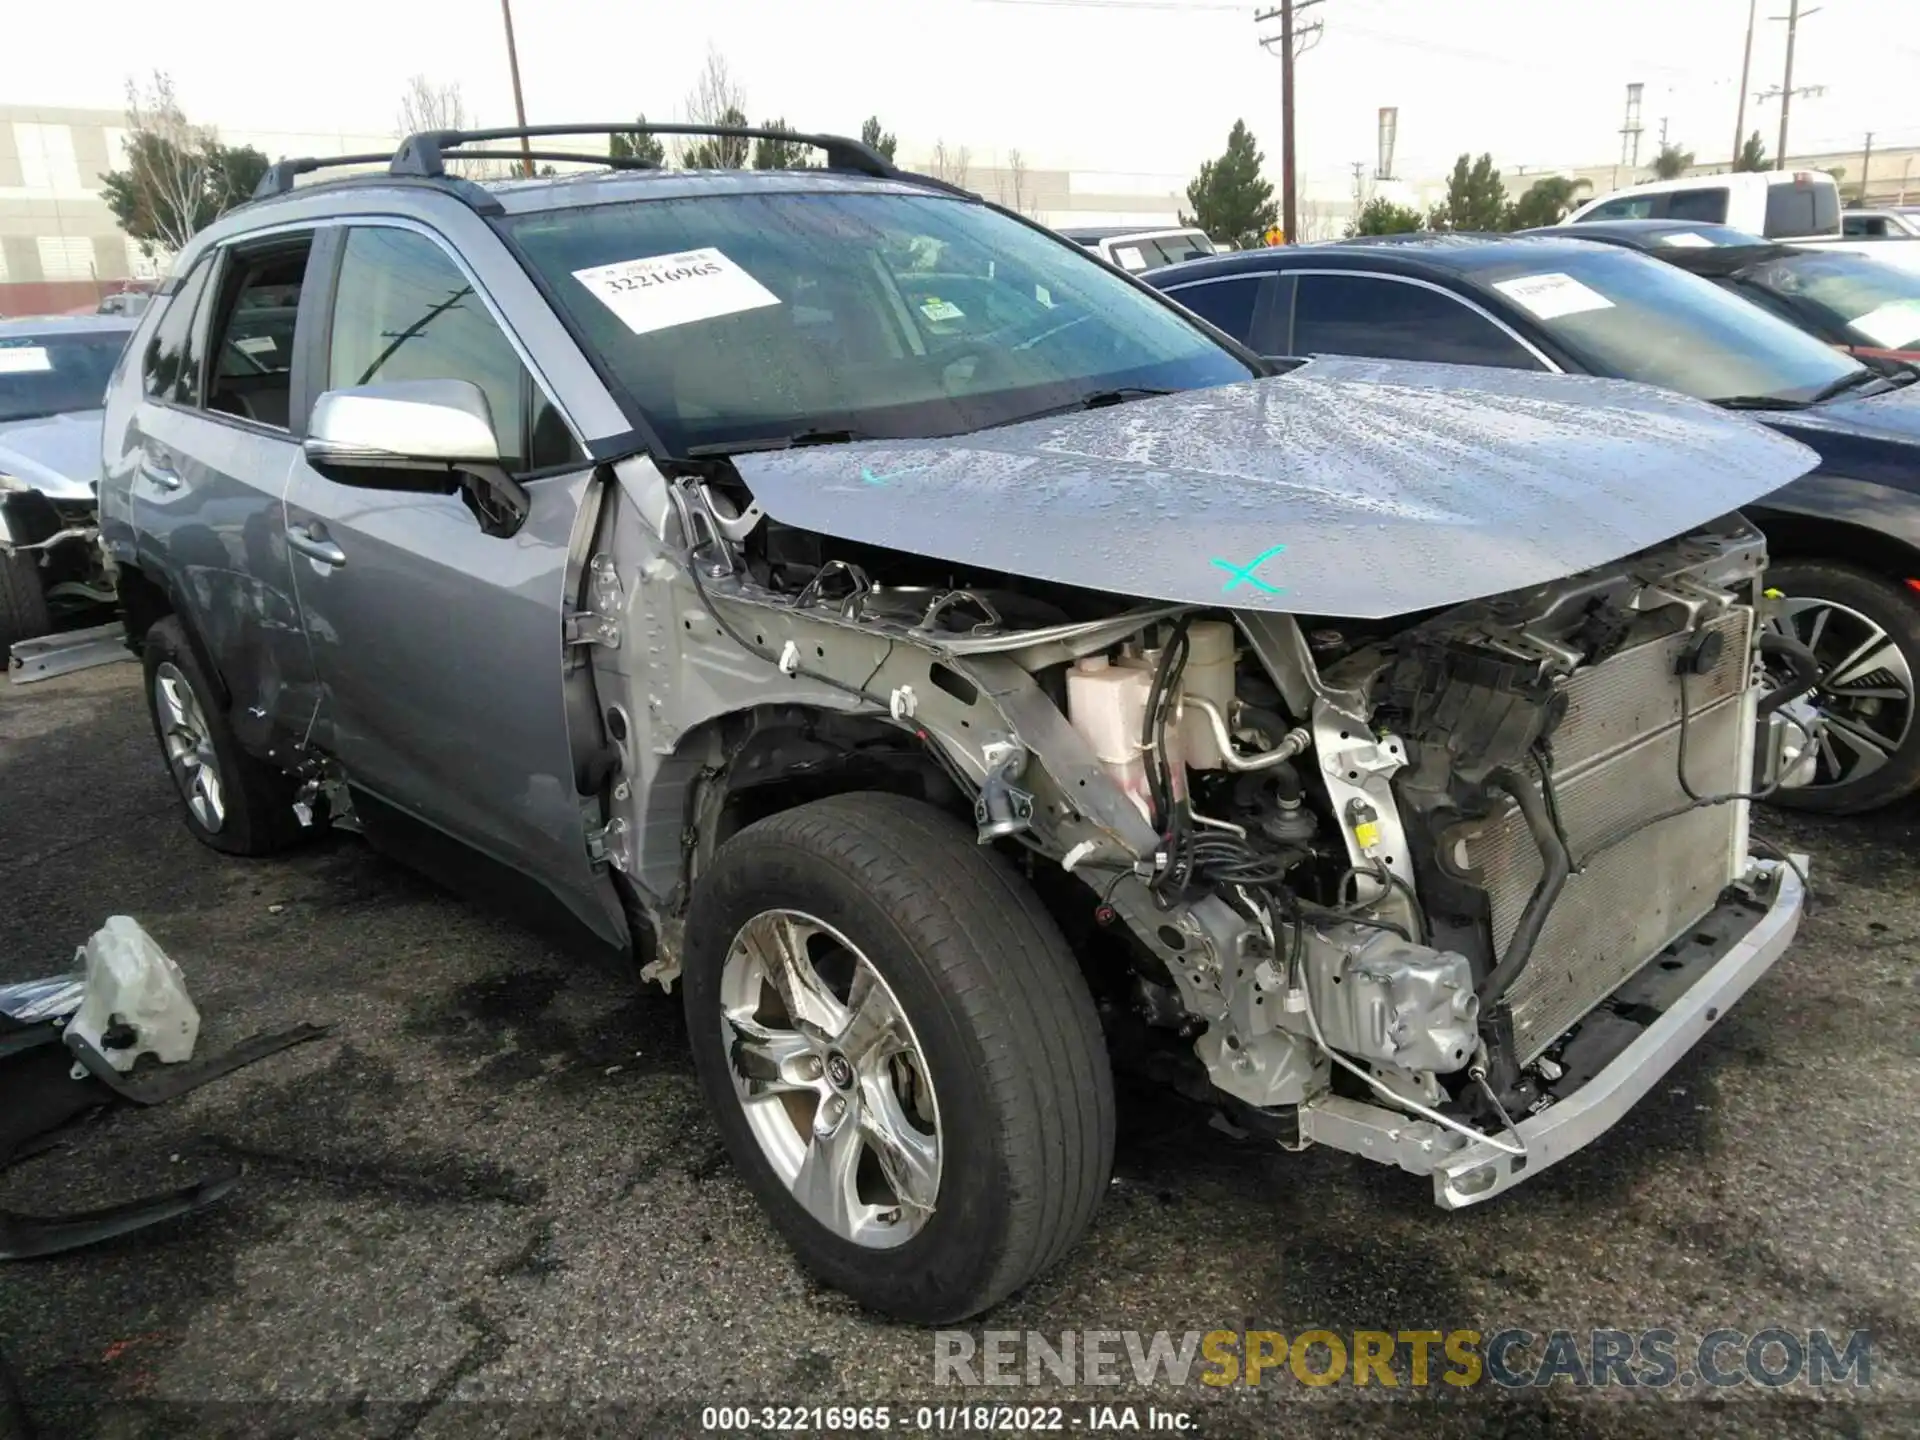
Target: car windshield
{"type": "Point", "coordinates": [52, 374]}
{"type": "Point", "coordinates": [1631, 316]}
{"type": "Point", "coordinates": [740, 319]}
{"type": "Point", "coordinates": [1877, 302]}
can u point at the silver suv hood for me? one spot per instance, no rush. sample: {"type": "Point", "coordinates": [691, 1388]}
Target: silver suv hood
{"type": "Point", "coordinates": [1349, 487]}
{"type": "Point", "coordinates": [58, 455]}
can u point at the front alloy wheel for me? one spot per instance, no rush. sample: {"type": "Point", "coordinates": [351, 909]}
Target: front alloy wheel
{"type": "Point", "coordinates": [832, 1079]}
{"type": "Point", "coordinates": [899, 1051]}
{"type": "Point", "coordinates": [1865, 636]}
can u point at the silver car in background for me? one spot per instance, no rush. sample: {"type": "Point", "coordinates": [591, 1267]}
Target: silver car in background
{"type": "Point", "coordinates": [53, 377]}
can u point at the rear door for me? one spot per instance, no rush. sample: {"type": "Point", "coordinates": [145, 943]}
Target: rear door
{"type": "Point", "coordinates": [440, 648]}
{"type": "Point", "coordinates": [216, 436]}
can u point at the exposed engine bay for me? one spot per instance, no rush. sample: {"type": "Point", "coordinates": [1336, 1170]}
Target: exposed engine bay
{"type": "Point", "coordinates": [1370, 883]}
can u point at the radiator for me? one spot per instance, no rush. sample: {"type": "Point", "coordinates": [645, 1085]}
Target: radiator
{"type": "Point", "coordinates": [1614, 758]}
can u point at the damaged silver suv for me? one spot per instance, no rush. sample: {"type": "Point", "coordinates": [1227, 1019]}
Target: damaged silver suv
{"type": "Point", "coordinates": [961, 670]}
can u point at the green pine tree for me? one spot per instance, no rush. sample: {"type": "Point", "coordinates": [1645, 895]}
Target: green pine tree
{"type": "Point", "coordinates": [781, 154]}
{"type": "Point", "coordinates": [876, 138]}
{"type": "Point", "coordinates": [1753, 155]}
{"type": "Point", "coordinates": [636, 145]}
{"type": "Point", "coordinates": [1230, 201]}
{"type": "Point", "coordinates": [1476, 197]}
{"type": "Point", "coordinates": [1380, 216]}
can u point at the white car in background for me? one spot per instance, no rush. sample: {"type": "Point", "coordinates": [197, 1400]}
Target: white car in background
{"type": "Point", "coordinates": [1897, 222]}
{"type": "Point", "coordinates": [1777, 204]}
{"type": "Point", "coordinates": [53, 381]}
{"type": "Point", "coordinates": [1135, 248]}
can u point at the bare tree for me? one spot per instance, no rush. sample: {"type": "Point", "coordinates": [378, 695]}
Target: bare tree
{"type": "Point", "coordinates": [950, 163]}
{"type": "Point", "coordinates": [427, 106]}
{"type": "Point", "coordinates": [1316, 221]}
{"type": "Point", "coordinates": [178, 176]}
{"type": "Point", "coordinates": [716, 99]}
{"type": "Point", "coordinates": [1017, 179]}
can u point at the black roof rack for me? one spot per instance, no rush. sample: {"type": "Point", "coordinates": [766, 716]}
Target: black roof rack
{"type": "Point", "coordinates": [281, 174]}
{"type": "Point", "coordinates": [424, 155]}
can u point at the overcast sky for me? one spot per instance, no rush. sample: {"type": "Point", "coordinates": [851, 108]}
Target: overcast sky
{"type": "Point", "coordinates": [1147, 86]}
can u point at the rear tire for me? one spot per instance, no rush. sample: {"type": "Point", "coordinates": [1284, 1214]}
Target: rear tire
{"type": "Point", "coordinates": [23, 602]}
{"type": "Point", "coordinates": [232, 801]}
{"type": "Point", "coordinates": [1858, 607]}
{"type": "Point", "coordinates": [1008, 1073]}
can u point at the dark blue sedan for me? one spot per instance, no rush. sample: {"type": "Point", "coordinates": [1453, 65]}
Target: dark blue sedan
{"type": "Point", "coordinates": [1845, 539]}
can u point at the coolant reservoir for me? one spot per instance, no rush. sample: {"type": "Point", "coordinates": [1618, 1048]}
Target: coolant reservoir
{"type": "Point", "coordinates": [1107, 704]}
{"type": "Point", "coordinates": [1209, 675]}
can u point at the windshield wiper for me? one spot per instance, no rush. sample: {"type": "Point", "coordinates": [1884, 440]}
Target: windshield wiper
{"type": "Point", "coordinates": [797, 440]}
{"type": "Point", "coordinates": [1760, 402]}
{"type": "Point", "coordinates": [1845, 383]}
{"type": "Point", "coordinates": [1094, 400]}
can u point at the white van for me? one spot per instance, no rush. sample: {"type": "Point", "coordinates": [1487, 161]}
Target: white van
{"type": "Point", "coordinates": [1779, 204]}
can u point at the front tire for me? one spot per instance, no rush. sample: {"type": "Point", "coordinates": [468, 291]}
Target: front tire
{"type": "Point", "coordinates": [900, 1052]}
{"type": "Point", "coordinates": [23, 602]}
{"type": "Point", "coordinates": [233, 802]}
{"type": "Point", "coordinates": [1865, 632]}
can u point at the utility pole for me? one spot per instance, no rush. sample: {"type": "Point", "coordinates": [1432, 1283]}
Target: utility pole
{"type": "Point", "coordinates": [1792, 17]}
{"type": "Point", "coordinates": [519, 104]}
{"type": "Point", "coordinates": [1289, 10]}
{"type": "Point", "coordinates": [1866, 159]}
{"type": "Point", "coordinates": [1746, 66]}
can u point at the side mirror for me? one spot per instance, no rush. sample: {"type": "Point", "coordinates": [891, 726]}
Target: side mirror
{"type": "Point", "coordinates": [432, 436]}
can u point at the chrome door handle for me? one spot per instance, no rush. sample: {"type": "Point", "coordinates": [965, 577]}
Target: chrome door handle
{"type": "Point", "coordinates": [160, 475]}
{"type": "Point", "coordinates": [315, 548]}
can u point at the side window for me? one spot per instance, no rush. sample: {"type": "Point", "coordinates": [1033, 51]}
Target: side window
{"type": "Point", "coordinates": [1861, 227]}
{"type": "Point", "coordinates": [1794, 208]}
{"type": "Point", "coordinates": [171, 370]}
{"type": "Point", "coordinates": [1627, 207]}
{"type": "Point", "coordinates": [1392, 320]}
{"type": "Point", "coordinates": [404, 311]}
{"type": "Point", "coordinates": [1705, 207]}
{"type": "Point", "coordinates": [1228, 304]}
{"type": "Point", "coordinates": [252, 339]}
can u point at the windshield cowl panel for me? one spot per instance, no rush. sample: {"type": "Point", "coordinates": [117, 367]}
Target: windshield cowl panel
{"type": "Point", "coordinates": [733, 320]}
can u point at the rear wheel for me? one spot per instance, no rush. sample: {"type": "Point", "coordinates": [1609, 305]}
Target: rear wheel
{"type": "Point", "coordinates": [234, 802]}
{"type": "Point", "coordinates": [23, 602]}
{"type": "Point", "coordinates": [900, 1053]}
{"type": "Point", "coordinates": [1865, 633]}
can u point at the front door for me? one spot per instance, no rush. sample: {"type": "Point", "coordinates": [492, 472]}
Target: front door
{"type": "Point", "coordinates": [439, 648]}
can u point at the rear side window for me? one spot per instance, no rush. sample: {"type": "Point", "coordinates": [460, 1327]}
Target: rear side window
{"type": "Point", "coordinates": [1393, 320]}
{"type": "Point", "coordinates": [405, 311]}
{"type": "Point", "coordinates": [1706, 207]}
{"type": "Point", "coordinates": [1863, 226]}
{"type": "Point", "coordinates": [1627, 207]}
{"type": "Point", "coordinates": [1795, 207]}
{"type": "Point", "coordinates": [171, 370]}
{"type": "Point", "coordinates": [1229, 304]}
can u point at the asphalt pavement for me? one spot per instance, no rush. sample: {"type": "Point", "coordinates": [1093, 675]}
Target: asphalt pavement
{"type": "Point", "coordinates": [490, 1201]}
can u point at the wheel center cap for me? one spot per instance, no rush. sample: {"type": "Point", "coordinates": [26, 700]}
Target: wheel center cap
{"type": "Point", "coordinates": [839, 1072]}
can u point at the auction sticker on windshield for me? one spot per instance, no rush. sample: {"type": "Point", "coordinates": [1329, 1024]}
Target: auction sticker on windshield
{"type": "Point", "coordinates": [661, 291]}
{"type": "Point", "coordinates": [1551, 296]}
{"type": "Point", "coordinates": [1895, 323]}
{"type": "Point", "coordinates": [20, 359]}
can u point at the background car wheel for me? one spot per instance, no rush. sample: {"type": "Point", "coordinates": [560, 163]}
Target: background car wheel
{"type": "Point", "coordinates": [900, 1053]}
{"type": "Point", "coordinates": [23, 602]}
{"type": "Point", "coordinates": [1865, 632]}
{"type": "Point", "coordinates": [234, 802]}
